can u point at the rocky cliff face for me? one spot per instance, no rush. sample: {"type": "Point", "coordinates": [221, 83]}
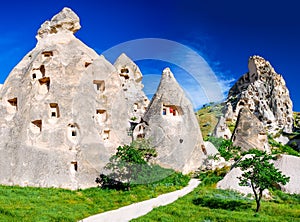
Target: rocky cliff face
{"type": "Point", "coordinates": [249, 132]}
{"type": "Point", "coordinates": [265, 94]}
{"type": "Point", "coordinates": [62, 111]}
{"type": "Point", "coordinates": [172, 125]}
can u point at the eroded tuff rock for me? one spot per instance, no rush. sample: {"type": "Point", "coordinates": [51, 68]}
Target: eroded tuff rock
{"type": "Point", "coordinates": [64, 21]}
{"type": "Point", "coordinates": [288, 165]}
{"type": "Point", "coordinates": [249, 132]}
{"type": "Point", "coordinates": [62, 111]}
{"type": "Point", "coordinates": [265, 94]}
{"type": "Point", "coordinates": [131, 78]}
{"type": "Point", "coordinates": [222, 130]}
{"type": "Point", "coordinates": [172, 125]}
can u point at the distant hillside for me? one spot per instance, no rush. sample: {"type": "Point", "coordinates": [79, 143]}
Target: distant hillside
{"type": "Point", "coordinates": [208, 118]}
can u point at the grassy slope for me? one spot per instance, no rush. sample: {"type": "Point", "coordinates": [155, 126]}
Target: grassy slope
{"type": "Point", "coordinates": [44, 204]}
{"type": "Point", "coordinates": [208, 118]}
{"type": "Point", "coordinates": [187, 209]}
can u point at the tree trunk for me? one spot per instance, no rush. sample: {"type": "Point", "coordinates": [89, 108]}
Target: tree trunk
{"type": "Point", "coordinates": [257, 205]}
{"type": "Point", "coordinates": [259, 199]}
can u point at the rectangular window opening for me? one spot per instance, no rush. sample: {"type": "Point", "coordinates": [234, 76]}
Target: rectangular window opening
{"type": "Point", "coordinates": [74, 133]}
{"type": "Point", "coordinates": [47, 53]}
{"type": "Point", "coordinates": [170, 110]}
{"type": "Point", "coordinates": [54, 109]}
{"type": "Point", "coordinates": [101, 115]}
{"type": "Point", "coordinates": [45, 81]}
{"type": "Point", "coordinates": [106, 134]}
{"type": "Point", "coordinates": [99, 85]}
{"type": "Point", "coordinates": [75, 165]}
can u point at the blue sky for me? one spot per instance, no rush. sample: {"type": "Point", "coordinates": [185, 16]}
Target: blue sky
{"type": "Point", "coordinates": [223, 33]}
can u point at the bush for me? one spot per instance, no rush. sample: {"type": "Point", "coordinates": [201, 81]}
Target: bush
{"type": "Point", "coordinates": [226, 148]}
{"type": "Point", "coordinates": [223, 199]}
{"type": "Point", "coordinates": [212, 177]}
{"type": "Point", "coordinates": [130, 166]}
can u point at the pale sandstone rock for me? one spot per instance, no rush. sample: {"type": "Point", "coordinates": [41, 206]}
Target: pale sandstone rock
{"type": "Point", "coordinates": [131, 78]}
{"type": "Point", "coordinates": [214, 159]}
{"type": "Point", "coordinates": [65, 21]}
{"type": "Point", "coordinates": [62, 109]}
{"type": "Point", "coordinates": [173, 127]}
{"type": "Point", "coordinates": [288, 165]}
{"type": "Point", "coordinates": [222, 130]}
{"type": "Point", "coordinates": [249, 132]}
{"type": "Point", "coordinates": [265, 94]}
{"type": "Point", "coordinates": [231, 182]}
{"type": "Point", "coordinates": [65, 110]}
{"type": "Point", "coordinates": [282, 139]}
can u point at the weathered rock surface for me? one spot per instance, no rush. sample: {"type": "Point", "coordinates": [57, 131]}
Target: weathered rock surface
{"type": "Point", "coordinates": [131, 78]}
{"type": "Point", "coordinates": [214, 159]}
{"type": "Point", "coordinates": [231, 182]}
{"type": "Point", "coordinates": [65, 21]}
{"type": "Point", "coordinates": [172, 125]}
{"type": "Point", "coordinates": [62, 111]}
{"type": "Point", "coordinates": [288, 165]}
{"type": "Point", "coordinates": [249, 132]}
{"type": "Point", "coordinates": [222, 130]}
{"type": "Point", "coordinates": [265, 94]}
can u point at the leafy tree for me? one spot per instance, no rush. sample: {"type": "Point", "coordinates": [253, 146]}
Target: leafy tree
{"type": "Point", "coordinates": [260, 173]}
{"type": "Point", "coordinates": [129, 165]}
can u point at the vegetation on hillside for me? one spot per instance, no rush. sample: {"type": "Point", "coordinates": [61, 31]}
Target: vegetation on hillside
{"type": "Point", "coordinates": [226, 148]}
{"type": "Point", "coordinates": [278, 148]}
{"type": "Point", "coordinates": [208, 118]}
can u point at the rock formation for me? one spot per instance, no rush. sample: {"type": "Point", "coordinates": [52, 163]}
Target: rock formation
{"type": "Point", "coordinates": [131, 78]}
{"type": "Point", "coordinates": [65, 110]}
{"type": "Point", "coordinates": [62, 111]}
{"type": "Point", "coordinates": [249, 132]}
{"type": "Point", "coordinates": [222, 130]}
{"type": "Point", "coordinates": [214, 159]}
{"type": "Point", "coordinates": [265, 94]}
{"type": "Point", "coordinates": [288, 165]}
{"type": "Point", "coordinates": [172, 125]}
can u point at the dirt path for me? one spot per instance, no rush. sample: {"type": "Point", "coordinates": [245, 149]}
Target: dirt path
{"type": "Point", "coordinates": [139, 209]}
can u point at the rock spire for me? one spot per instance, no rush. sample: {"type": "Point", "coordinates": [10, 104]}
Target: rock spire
{"type": "Point", "coordinates": [172, 125]}
{"type": "Point", "coordinates": [265, 94]}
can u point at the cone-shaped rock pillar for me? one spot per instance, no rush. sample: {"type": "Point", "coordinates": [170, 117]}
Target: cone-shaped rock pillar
{"type": "Point", "coordinates": [173, 128]}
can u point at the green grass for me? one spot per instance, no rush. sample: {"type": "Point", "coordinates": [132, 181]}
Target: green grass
{"type": "Point", "coordinates": [206, 203]}
{"type": "Point", "coordinates": [50, 204]}
{"type": "Point", "coordinates": [278, 148]}
{"type": "Point", "coordinates": [208, 118]}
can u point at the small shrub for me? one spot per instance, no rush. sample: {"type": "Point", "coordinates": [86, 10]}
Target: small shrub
{"type": "Point", "coordinates": [226, 148]}
{"type": "Point", "coordinates": [223, 199]}
{"type": "Point", "coordinates": [212, 177]}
